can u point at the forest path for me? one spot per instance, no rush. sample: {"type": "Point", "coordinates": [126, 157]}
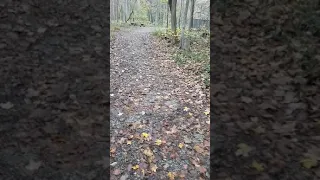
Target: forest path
{"type": "Point", "coordinates": [159, 115]}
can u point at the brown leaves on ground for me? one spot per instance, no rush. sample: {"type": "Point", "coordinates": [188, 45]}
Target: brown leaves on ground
{"type": "Point", "coordinates": [173, 130]}
{"type": "Point", "coordinates": [265, 91]}
{"type": "Point", "coordinates": [150, 137]}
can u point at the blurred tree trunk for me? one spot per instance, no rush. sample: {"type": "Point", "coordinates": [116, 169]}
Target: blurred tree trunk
{"type": "Point", "coordinates": [191, 14]}
{"type": "Point", "coordinates": [167, 16]}
{"type": "Point", "coordinates": [184, 43]}
{"type": "Point", "coordinates": [181, 7]}
{"type": "Point", "coordinates": [173, 9]}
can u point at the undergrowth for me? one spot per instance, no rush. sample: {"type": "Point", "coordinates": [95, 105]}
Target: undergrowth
{"type": "Point", "coordinates": [197, 58]}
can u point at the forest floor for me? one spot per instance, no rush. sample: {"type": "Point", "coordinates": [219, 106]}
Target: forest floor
{"type": "Point", "coordinates": [265, 86]}
{"type": "Point", "coordinates": [159, 113]}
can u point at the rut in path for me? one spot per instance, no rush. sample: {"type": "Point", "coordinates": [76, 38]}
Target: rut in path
{"type": "Point", "coordinates": [150, 94]}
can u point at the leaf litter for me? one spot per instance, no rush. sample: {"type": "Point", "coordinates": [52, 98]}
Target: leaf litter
{"type": "Point", "coordinates": [265, 90]}
{"type": "Point", "coordinates": [157, 149]}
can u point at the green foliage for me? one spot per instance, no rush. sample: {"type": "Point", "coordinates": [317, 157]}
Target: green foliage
{"type": "Point", "coordinates": [182, 56]}
{"type": "Point", "coordinates": [141, 14]}
{"type": "Point", "coordinates": [158, 32]}
{"type": "Point", "coordinates": [164, 1]}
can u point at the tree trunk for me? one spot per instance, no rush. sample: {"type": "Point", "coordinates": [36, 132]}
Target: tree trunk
{"type": "Point", "coordinates": [191, 14]}
{"type": "Point", "coordinates": [184, 44]}
{"type": "Point", "coordinates": [129, 16]}
{"type": "Point", "coordinates": [167, 16]}
{"type": "Point", "coordinates": [117, 12]}
{"type": "Point", "coordinates": [132, 10]}
{"type": "Point", "coordinates": [125, 10]}
{"type": "Point", "coordinates": [157, 13]}
{"type": "Point", "coordinates": [180, 13]}
{"type": "Point", "coordinates": [174, 18]}
{"type": "Point", "coordinates": [111, 11]}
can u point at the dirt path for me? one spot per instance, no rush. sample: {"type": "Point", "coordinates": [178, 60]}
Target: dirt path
{"type": "Point", "coordinates": [153, 100]}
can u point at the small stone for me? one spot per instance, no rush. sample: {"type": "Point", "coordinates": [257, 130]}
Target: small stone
{"type": "Point", "coordinates": [113, 164]}
{"type": "Point", "coordinates": [187, 140]}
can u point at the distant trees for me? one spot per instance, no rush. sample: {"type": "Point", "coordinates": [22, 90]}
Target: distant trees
{"type": "Point", "coordinates": [163, 13]}
{"type": "Point", "coordinates": [128, 10]}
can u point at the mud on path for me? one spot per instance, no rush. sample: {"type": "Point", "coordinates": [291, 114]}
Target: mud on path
{"type": "Point", "coordinates": [159, 115]}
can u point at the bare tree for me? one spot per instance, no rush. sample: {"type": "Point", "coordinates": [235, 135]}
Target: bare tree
{"type": "Point", "coordinates": [181, 7]}
{"type": "Point", "coordinates": [191, 14]}
{"type": "Point", "coordinates": [167, 16]}
{"type": "Point", "coordinates": [173, 10]}
{"type": "Point", "coordinates": [132, 8]}
{"type": "Point", "coordinates": [184, 43]}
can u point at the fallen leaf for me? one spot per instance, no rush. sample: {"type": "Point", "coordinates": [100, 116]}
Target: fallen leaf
{"type": "Point", "coordinates": [198, 149]}
{"type": "Point", "coordinates": [7, 105]}
{"type": "Point", "coordinates": [113, 164]}
{"type": "Point", "coordinates": [113, 150]}
{"type": "Point", "coordinates": [148, 152]}
{"type": "Point", "coordinates": [143, 165]}
{"type": "Point", "coordinates": [153, 167]}
{"type": "Point", "coordinates": [158, 142]}
{"type": "Point", "coordinates": [180, 145]}
{"type": "Point", "coordinates": [116, 172]}
{"type": "Point", "coordinates": [135, 167]}
{"type": "Point", "coordinates": [207, 112]}
{"type": "Point", "coordinates": [259, 167]}
{"type": "Point", "coordinates": [128, 142]}
{"type": "Point", "coordinates": [145, 135]}
{"type": "Point", "coordinates": [190, 114]}
{"type": "Point", "coordinates": [309, 163]}
{"type": "Point", "coordinates": [243, 150]}
{"type": "Point", "coordinates": [122, 140]}
{"type": "Point", "coordinates": [33, 165]}
{"type": "Point", "coordinates": [171, 175]}
{"type": "Point", "coordinates": [202, 169]}
{"type": "Point", "coordinates": [173, 130]}
{"type": "Point", "coordinates": [173, 155]}
{"type": "Point", "coordinates": [195, 163]}
{"type": "Point", "coordinates": [182, 176]}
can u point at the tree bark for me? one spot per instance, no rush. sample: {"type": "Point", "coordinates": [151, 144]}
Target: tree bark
{"type": "Point", "coordinates": [167, 16]}
{"type": "Point", "coordinates": [174, 18]}
{"type": "Point", "coordinates": [191, 14]}
{"type": "Point", "coordinates": [180, 13]}
{"type": "Point", "coordinates": [184, 43]}
{"type": "Point", "coordinates": [117, 12]}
